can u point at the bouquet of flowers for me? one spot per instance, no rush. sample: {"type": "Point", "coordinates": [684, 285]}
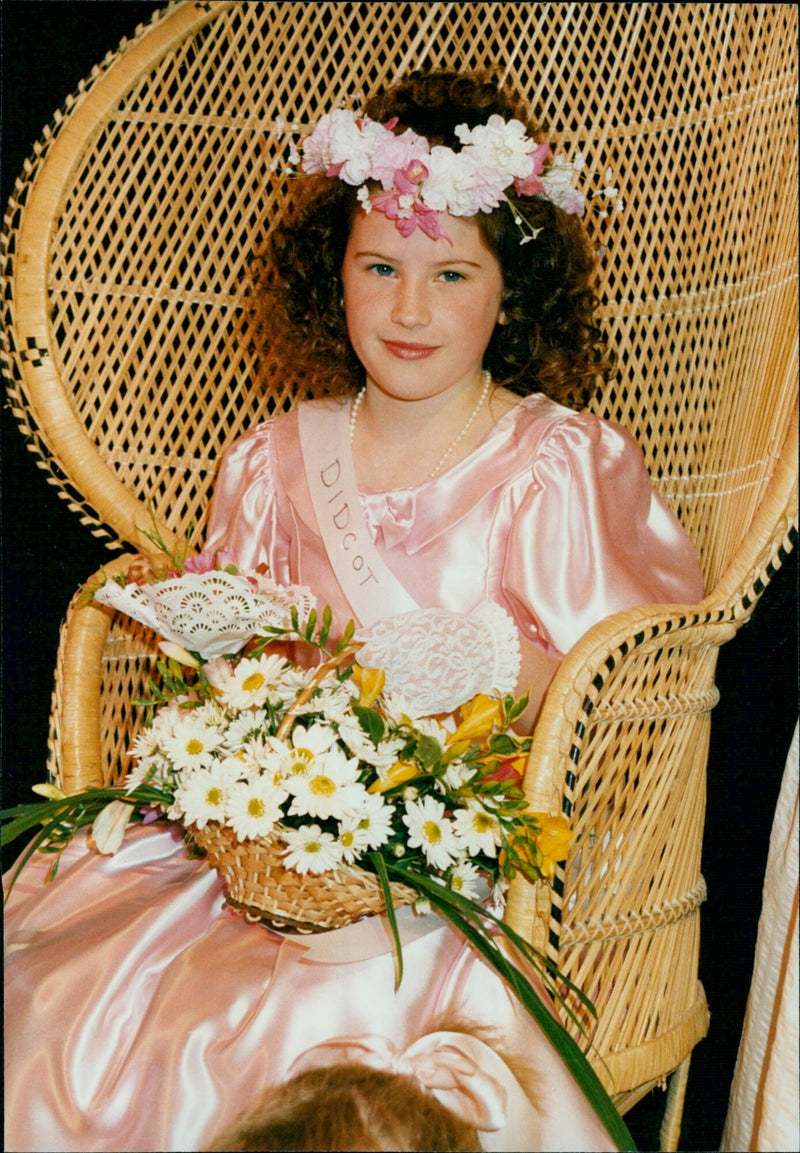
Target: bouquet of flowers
{"type": "Point", "coordinates": [319, 796]}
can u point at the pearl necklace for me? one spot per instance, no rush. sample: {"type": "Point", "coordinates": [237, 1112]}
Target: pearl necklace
{"type": "Point", "coordinates": [487, 383]}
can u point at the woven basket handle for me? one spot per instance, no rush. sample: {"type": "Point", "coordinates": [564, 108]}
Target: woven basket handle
{"type": "Point", "coordinates": [322, 671]}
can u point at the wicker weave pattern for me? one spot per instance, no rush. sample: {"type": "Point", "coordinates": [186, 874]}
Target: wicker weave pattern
{"type": "Point", "coordinates": [130, 369]}
{"type": "Point", "coordinates": [259, 886]}
{"type": "Point", "coordinates": [144, 270]}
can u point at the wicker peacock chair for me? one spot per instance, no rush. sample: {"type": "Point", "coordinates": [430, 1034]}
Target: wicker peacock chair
{"type": "Point", "coordinates": [129, 370]}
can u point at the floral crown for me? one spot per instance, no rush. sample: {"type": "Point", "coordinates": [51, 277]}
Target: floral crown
{"type": "Point", "coordinates": [419, 181]}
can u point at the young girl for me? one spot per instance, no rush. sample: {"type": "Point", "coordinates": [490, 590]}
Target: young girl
{"type": "Point", "coordinates": [448, 1090]}
{"type": "Point", "coordinates": [434, 274]}
{"type": "Point", "coordinates": [448, 481]}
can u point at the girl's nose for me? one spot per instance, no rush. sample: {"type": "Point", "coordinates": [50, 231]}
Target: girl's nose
{"type": "Point", "coordinates": [410, 306]}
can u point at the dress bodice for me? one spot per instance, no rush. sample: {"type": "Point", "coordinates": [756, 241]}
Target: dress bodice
{"type": "Point", "coordinates": [552, 516]}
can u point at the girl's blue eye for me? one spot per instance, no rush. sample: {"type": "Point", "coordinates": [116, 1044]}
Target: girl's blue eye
{"type": "Point", "coordinates": [382, 269]}
{"type": "Point", "coordinates": [451, 277]}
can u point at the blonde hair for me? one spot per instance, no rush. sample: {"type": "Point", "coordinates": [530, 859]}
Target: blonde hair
{"type": "Point", "coordinates": [349, 1107]}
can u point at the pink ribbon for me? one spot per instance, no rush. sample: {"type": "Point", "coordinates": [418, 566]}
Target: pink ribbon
{"type": "Point", "coordinates": [452, 1066]}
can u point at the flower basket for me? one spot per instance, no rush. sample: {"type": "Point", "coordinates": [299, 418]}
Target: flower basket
{"type": "Point", "coordinates": [261, 888]}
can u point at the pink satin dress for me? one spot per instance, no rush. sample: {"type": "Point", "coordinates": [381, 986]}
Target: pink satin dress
{"type": "Point", "coordinates": [552, 516]}
{"type": "Point", "coordinates": [141, 1012]}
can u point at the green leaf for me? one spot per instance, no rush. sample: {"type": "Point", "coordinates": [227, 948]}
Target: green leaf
{"type": "Point", "coordinates": [327, 620]}
{"type": "Point", "coordinates": [468, 917]}
{"type": "Point", "coordinates": [379, 865]}
{"type": "Point", "coordinates": [371, 722]}
{"type": "Point", "coordinates": [428, 752]}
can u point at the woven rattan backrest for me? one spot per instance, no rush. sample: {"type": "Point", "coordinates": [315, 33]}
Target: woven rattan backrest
{"type": "Point", "coordinates": [126, 347]}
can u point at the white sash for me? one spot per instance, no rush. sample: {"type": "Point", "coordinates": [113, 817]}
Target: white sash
{"type": "Point", "coordinates": [374, 592]}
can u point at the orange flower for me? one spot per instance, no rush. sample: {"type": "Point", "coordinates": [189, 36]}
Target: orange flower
{"type": "Point", "coordinates": [478, 719]}
{"type": "Point", "coordinates": [510, 769]}
{"type": "Point", "coordinates": [552, 841]}
{"type": "Point", "coordinates": [399, 772]}
{"type": "Point", "coordinates": [370, 684]}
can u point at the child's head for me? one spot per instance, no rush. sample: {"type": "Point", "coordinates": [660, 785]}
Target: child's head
{"type": "Point", "coordinates": [547, 340]}
{"type": "Point", "coordinates": [348, 1107]}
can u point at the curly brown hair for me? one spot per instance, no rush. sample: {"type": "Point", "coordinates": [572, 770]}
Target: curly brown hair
{"type": "Point", "coordinates": [550, 342]}
{"type": "Point", "coordinates": [349, 1107]}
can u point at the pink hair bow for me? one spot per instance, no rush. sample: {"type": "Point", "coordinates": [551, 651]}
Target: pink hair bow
{"type": "Point", "coordinates": [453, 1066]}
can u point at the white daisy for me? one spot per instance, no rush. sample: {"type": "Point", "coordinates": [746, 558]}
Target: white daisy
{"type": "Point", "coordinates": [353, 840]}
{"type": "Point", "coordinates": [244, 727]}
{"type": "Point", "coordinates": [496, 904]}
{"type": "Point", "coordinates": [191, 744]}
{"type": "Point", "coordinates": [374, 818]}
{"type": "Point", "coordinates": [430, 830]}
{"type": "Point", "coordinates": [309, 850]}
{"type": "Point", "coordinates": [303, 746]}
{"type": "Point", "coordinates": [329, 789]}
{"type": "Point", "coordinates": [252, 808]}
{"type": "Point", "coordinates": [478, 829]}
{"type": "Point", "coordinates": [154, 769]}
{"type": "Point", "coordinates": [145, 744]}
{"type": "Point", "coordinates": [249, 683]}
{"type": "Point", "coordinates": [464, 880]}
{"type": "Point", "coordinates": [382, 756]}
{"type": "Point", "coordinates": [201, 796]}
{"type": "Point", "coordinates": [457, 774]}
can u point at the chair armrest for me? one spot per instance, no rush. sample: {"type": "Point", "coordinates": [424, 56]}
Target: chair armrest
{"type": "Point", "coordinates": [77, 740]}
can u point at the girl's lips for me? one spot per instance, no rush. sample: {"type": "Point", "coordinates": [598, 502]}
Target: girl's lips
{"type": "Point", "coordinates": [409, 351]}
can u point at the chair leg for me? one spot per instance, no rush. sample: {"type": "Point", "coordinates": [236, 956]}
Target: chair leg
{"type": "Point", "coordinates": [673, 1113]}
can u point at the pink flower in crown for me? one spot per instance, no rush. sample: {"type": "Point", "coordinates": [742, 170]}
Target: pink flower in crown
{"type": "Point", "coordinates": [531, 184]}
{"type": "Point", "coordinates": [403, 205]}
{"type": "Point", "coordinates": [395, 153]}
{"type": "Point", "coordinates": [341, 145]}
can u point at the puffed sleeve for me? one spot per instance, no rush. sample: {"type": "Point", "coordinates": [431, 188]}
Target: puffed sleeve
{"type": "Point", "coordinates": [591, 537]}
{"type": "Point", "coordinates": [245, 509]}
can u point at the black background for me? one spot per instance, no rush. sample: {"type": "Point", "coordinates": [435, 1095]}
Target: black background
{"type": "Point", "coordinates": [47, 48]}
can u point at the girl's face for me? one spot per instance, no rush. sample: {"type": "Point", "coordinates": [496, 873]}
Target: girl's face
{"type": "Point", "coordinates": [420, 312]}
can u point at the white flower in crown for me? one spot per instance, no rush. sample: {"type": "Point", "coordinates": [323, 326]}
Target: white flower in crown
{"type": "Point", "coordinates": [341, 146]}
{"type": "Point", "coordinates": [309, 850]}
{"type": "Point", "coordinates": [458, 183]}
{"type": "Point", "coordinates": [253, 808]}
{"type": "Point", "coordinates": [500, 144]}
{"type": "Point", "coordinates": [558, 181]}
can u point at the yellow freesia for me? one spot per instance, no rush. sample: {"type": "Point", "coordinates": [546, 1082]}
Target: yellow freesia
{"type": "Point", "coordinates": [52, 792]}
{"type": "Point", "coordinates": [370, 684]}
{"type": "Point", "coordinates": [178, 653]}
{"type": "Point", "coordinates": [478, 719]}
{"type": "Point", "coordinates": [399, 772]}
{"type": "Point", "coordinates": [552, 841]}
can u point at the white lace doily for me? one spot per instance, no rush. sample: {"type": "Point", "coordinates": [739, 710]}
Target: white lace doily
{"type": "Point", "coordinates": [438, 660]}
{"type": "Point", "coordinates": [209, 613]}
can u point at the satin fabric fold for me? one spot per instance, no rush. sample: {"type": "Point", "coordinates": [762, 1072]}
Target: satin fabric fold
{"type": "Point", "coordinates": [552, 516]}
{"type": "Point", "coordinates": [142, 1014]}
